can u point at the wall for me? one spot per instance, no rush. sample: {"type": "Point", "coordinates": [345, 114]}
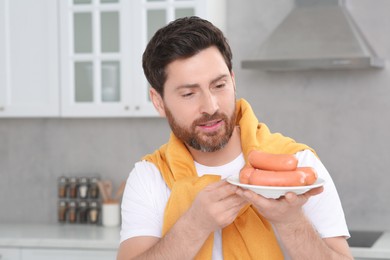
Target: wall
{"type": "Point", "coordinates": [342, 114]}
{"type": "Point", "coordinates": [35, 152]}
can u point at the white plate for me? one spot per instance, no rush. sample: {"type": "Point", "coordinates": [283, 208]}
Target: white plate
{"type": "Point", "coordinates": [273, 192]}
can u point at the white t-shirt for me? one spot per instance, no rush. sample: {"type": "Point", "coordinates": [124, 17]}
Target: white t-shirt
{"type": "Point", "coordinates": [146, 195]}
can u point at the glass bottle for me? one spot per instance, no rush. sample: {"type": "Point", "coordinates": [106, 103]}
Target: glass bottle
{"type": "Point", "coordinates": [83, 188]}
{"type": "Point", "coordinates": [73, 187]}
{"type": "Point", "coordinates": [93, 188]}
{"type": "Point", "coordinates": [62, 211]}
{"type": "Point", "coordinates": [62, 187]}
{"type": "Point", "coordinates": [94, 212]}
{"type": "Point", "coordinates": [72, 212]}
{"type": "Point", "coordinates": [83, 212]}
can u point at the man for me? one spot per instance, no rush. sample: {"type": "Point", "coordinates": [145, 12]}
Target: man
{"type": "Point", "coordinates": [177, 204]}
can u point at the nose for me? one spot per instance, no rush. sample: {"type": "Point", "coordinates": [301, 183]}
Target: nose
{"type": "Point", "coordinates": [209, 104]}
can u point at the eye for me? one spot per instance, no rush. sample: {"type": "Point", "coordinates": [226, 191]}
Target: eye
{"type": "Point", "coordinates": [189, 94]}
{"type": "Point", "coordinates": [220, 85]}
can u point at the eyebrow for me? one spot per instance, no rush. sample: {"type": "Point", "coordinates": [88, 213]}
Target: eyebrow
{"type": "Point", "coordinates": [196, 85]}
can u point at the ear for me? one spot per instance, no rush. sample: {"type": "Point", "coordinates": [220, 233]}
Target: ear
{"type": "Point", "coordinates": [157, 101]}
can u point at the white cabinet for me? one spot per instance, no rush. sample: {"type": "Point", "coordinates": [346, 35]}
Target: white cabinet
{"type": "Point", "coordinates": [83, 58]}
{"type": "Point", "coordinates": [101, 53]}
{"type": "Point", "coordinates": [67, 254]}
{"type": "Point", "coordinates": [10, 253]}
{"type": "Point", "coordinates": [96, 76]}
{"type": "Point", "coordinates": [58, 254]}
{"type": "Point", "coordinates": [29, 64]}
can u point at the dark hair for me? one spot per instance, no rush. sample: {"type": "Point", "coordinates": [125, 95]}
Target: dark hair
{"type": "Point", "coordinates": [181, 38]}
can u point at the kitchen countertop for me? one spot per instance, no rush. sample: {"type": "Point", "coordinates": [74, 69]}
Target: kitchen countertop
{"type": "Point", "coordinates": [75, 236]}
{"type": "Point", "coordinates": [380, 249]}
{"type": "Point", "coordinates": [98, 237]}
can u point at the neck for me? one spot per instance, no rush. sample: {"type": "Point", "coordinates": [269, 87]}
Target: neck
{"type": "Point", "coordinates": [225, 155]}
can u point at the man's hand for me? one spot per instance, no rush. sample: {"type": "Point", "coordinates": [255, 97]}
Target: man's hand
{"type": "Point", "coordinates": [296, 232]}
{"type": "Point", "coordinates": [216, 206]}
{"type": "Point", "coordinates": [287, 209]}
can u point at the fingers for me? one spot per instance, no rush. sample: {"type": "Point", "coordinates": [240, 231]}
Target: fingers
{"type": "Point", "coordinates": [289, 200]}
{"type": "Point", "coordinates": [223, 195]}
{"type": "Point", "coordinates": [291, 196]}
{"type": "Point", "coordinates": [286, 209]}
{"type": "Point", "coordinates": [294, 199]}
{"type": "Point", "coordinates": [315, 191]}
{"type": "Point", "coordinates": [234, 201]}
{"type": "Point", "coordinates": [228, 198]}
{"type": "Point", "coordinates": [221, 190]}
{"type": "Point", "coordinates": [219, 204]}
{"type": "Point", "coordinates": [231, 207]}
{"type": "Point", "coordinates": [216, 184]}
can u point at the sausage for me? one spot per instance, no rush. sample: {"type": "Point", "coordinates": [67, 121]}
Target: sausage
{"type": "Point", "coordinates": [245, 173]}
{"type": "Point", "coordinates": [277, 178]}
{"type": "Point", "coordinates": [310, 173]}
{"type": "Point", "coordinates": [272, 162]}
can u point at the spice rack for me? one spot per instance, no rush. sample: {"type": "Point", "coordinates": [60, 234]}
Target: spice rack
{"type": "Point", "coordinates": [79, 200]}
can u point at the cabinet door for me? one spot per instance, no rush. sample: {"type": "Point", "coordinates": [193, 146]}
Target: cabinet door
{"type": "Point", "coordinates": [95, 72]}
{"type": "Point", "coordinates": [102, 42]}
{"type": "Point", "coordinates": [67, 254]}
{"type": "Point", "coordinates": [9, 253]}
{"type": "Point", "coordinates": [150, 15]}
{"type": "Point", "coordinates": [28, 58]}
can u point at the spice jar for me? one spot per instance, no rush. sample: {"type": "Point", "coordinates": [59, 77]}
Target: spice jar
{"type": "Point", "coordinates": [83, 212]}
{"type": "Point", "coordinates": [62, 210]}
{"type": "Point", "coordinates": [73, 187]}
{"type": "Point", "coordinates": [72, 212]}
{"type": "Point", "coordinates": [62, 186]}
{"type": "Point", "coordinates": [93, 188]}
{"type": "Point", "coordinates": [83, 188]}
{"type": "Point", "coordinates": [93, 213]}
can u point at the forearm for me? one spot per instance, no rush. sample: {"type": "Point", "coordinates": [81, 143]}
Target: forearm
{"type": "Point", "coordinates": [183, 241]}
{"type": "Point", "coordinates": [214, 207]}
{"type": "Point", "coordinates": [302, 241]}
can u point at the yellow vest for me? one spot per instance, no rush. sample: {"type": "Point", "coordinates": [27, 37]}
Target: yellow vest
{"type": "Point", "coordinates": [250, 236]}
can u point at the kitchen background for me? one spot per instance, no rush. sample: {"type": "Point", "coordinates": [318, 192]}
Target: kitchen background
{"type": "Point", "coordinates": [344, 115]}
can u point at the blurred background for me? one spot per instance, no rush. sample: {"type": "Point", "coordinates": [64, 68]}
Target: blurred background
{"type": "Point", "coordinates": [73, 98]}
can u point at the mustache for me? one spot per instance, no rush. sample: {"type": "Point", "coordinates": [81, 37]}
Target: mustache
{"type": "Point", "coordinates": [207, 117]}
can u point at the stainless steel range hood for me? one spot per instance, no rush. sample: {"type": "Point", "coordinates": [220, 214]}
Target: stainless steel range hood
{"type": "Point", "coordinates": [317, 34]}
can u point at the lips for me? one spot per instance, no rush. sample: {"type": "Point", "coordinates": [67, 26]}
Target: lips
{"type": "Point", "coordinates": [211, 125]}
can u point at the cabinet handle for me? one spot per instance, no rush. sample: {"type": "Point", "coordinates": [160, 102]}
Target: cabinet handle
{"type": "Point", "coordinates": [126, 107]}
{"type": "Point", "coordinates": [1, 109]}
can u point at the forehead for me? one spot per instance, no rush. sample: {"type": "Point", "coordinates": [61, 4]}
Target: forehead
{"type": "Point", "coordinates": [197, 69]}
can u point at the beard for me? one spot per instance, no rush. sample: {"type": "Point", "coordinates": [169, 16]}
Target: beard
{"type": "Point", "coordinates": [205, 142]}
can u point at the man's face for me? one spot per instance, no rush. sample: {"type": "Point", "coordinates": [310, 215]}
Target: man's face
{"type": "Point", "coordinates": [199, 100]}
